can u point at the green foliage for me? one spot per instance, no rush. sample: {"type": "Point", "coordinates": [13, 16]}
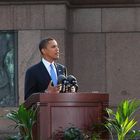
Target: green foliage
{"type": "Point", "coordinates": [73, 133]}
{"type": "Point", "coordinates": [94, 132]}
{"type": "Point", "coordinates": [91, 136]}
{"type": "Point", "coordinates": [18, 137]}
{"type": "Point", "coordinates": [122, 121]}
{"type": "Point", "coordinates": [24, 120]}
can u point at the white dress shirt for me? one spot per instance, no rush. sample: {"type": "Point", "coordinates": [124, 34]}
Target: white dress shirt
{"type": "Point", "coordinates": [47, 65]}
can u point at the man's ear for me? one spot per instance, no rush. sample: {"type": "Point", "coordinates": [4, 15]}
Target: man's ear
{"type": "Point", "coordinates": [43, 51]}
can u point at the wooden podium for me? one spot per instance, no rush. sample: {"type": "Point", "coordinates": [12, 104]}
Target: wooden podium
{"type": "Point", "coordinates": [60, 111]}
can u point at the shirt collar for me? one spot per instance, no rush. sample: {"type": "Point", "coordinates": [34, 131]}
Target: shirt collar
{"type": "Point", "coordinates": [47, 63]}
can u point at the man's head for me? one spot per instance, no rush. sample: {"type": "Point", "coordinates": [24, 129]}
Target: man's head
{"type": "Point", "coordinates": [49, 49]}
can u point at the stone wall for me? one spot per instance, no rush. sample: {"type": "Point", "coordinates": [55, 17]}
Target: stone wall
{"type": "Point", "coordinates": [99, 45]}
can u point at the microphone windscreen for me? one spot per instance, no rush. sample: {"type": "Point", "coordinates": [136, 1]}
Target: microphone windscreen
{"type": "Point", "coordinates": [72, 79]}
{"type": "Point", "coordinates": [61, 79]}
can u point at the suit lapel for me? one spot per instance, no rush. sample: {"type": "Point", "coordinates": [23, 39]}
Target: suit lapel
{"type": "Point", "coordinates": [58, 69]}
{"type": "Point", "coordinates": [44, 71]}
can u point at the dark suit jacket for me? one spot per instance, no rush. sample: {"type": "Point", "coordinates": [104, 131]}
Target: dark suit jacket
{"type": "Point", "coordinates": [37, 78]}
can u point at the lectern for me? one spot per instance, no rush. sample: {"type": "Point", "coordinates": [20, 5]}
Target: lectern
{"type": "Point", "coordinates": [60, 111]}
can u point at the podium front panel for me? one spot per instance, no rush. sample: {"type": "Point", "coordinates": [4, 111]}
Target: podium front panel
{"type": "Point", "coordinates": [58, 112]}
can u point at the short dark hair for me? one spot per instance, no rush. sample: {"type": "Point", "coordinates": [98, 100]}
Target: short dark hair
{"type": "Point", "coordinates": [44, 42]}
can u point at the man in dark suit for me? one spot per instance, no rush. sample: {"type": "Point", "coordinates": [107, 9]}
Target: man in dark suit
{"type": "Point", "coordinates": [39, 77]}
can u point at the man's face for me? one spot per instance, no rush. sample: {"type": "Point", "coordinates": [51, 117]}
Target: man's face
{"type": "Point", "coordinates": [51, 51]}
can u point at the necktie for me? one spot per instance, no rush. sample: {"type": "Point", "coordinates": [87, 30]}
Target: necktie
{"type": "Point", "coordinates": [53, 75]}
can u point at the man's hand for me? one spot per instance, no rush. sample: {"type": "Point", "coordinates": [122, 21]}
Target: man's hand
{"type": "Point", "coordinates": [52, 89]}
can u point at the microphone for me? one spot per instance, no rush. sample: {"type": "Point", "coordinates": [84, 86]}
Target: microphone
{"type": "Point", "coordinates": [73, 86]}
{"type": "Point", "coordinates": [62, 81]}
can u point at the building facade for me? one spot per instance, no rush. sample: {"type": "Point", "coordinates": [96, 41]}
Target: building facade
{"type": "Point", "coordinates": [99, 43]}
